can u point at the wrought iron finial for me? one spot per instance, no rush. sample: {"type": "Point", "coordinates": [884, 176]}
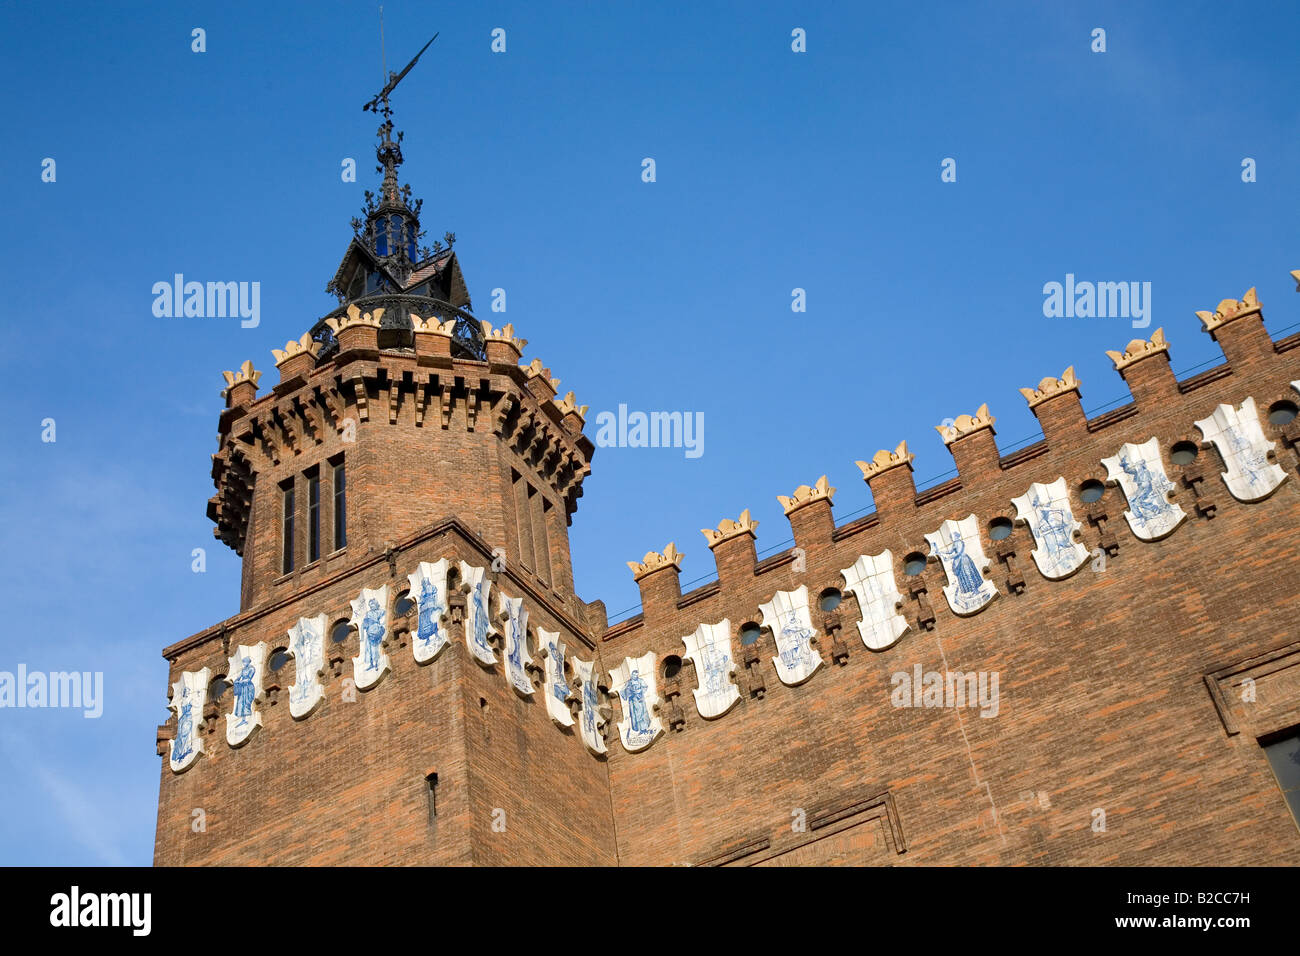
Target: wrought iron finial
{"type": "Point", "coordinates": [393, 79]}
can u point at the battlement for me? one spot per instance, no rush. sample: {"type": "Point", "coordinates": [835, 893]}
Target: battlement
{"type": "Point", "coordinates": [446, 406]}
{"type": "Point", "coordinates": [1006, 525]}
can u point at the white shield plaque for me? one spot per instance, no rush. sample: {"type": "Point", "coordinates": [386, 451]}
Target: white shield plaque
{"type": "Point", "coordinates": [709, 649]}
{"type": "Point", "coordinates": [189, 695]}
{"type": "Point", "coordinates": [245, 671]}
{"type": "Point", "coordinates": [957, 545]}
{"type": "Point", "coordinates": [429, 592]}
{"type": "Point", "coordinates": [1140, 472]}
{"type": "Point", "coordinates": [370, 617]}
{"type": "Point", "coordinates": [633, 682]}
{"type": "Point", "coordinates": [787, 617]}
{"type": "Point", "coordinates": [1046, 509]}
{"type": "Point", "coordinates": [1237, 434]}
{"type": "Point", "coordinates": [307, 648]}
{"type": "Point", "coordinates": [871, 582]}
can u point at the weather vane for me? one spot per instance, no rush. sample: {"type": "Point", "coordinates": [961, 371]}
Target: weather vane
{"type": "Point", "coordinates": [393, 78]}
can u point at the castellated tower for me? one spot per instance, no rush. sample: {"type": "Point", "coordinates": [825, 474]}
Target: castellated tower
{"type": "Point", "coordinates": [404, 447]}
{"type": "Point", "coordinates": [1083, 651]}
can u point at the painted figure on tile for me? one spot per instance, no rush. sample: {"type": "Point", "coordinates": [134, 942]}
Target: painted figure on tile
{"type": "Point", "coordinates": [590, 701]}
{"type": "Point", "coordinates": [183, 745]}
{"type": "Point", "coordinates": [716, 666]}
{"type": "Point", "coordinates": [245, 689]}
{"type": "Point", "coordinates": [965, 575]}
{"type": "Point", "coordinates": [372, 627]}
{"type": "Point", "coordinates": [558, 689]}
{"type": "Point", "coordinates": [796, 649]}
{"type": "Point", "coordinates": [638, 714]}
{"type": "Point", "coordinates": [480, 618]}
{"type": "Point", "coordinates": [1054, 524]}
{"type": "Point", "coordinates": [1148, 502]}
{"type": "Point", "coordinates": [305, 653]}
{"type": "Point", "coordinates": [430, 611]}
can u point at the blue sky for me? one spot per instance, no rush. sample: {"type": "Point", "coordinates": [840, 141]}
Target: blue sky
{"type": "Point", "coordinates": [775, 170]}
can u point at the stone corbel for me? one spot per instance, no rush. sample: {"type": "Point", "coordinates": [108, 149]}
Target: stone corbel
{"type": "Point", "coordinates": [1097, 516]}
{"type": "Point", "coordinates": [445, 398]}
{"type": "Point", "coordinates": [1193, 475]}
{"type": "Point", "coordinates": [471, 409]}
{"type": "Point", "coordinates": [924, 612]}
{"type": "Point", "coordinates": [360, 397]}
{"type": "Point", "coordinates": [1005, 552]}
{"type": "Point", "coordinates": [672, 710]}
{"type": "Point", "coordinates": [753, 661]}
{"type": "Point", "coordinates": [831, 627]}
{"type": "Point", "coordinates": [502, 413]}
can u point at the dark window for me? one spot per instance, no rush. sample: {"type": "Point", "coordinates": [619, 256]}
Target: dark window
{"type": "Point", "coordinates": [1282, 413]}
{"type": "Point", "coordinates": [914, 564]}
{"type": "Point", "coordinates": [830, 599]}
{"type": "Point", "coordinates": [672, 666]}
{"type": "Point", "coordinates": [749, 634]}
{"type": "Point", "coordinates": [313, 518]}
{"type": "Point", "coordinates": [404, 605]}
{"type": "Point", "coordinates": [340, 507]}
{"type": "Point", "coordinates": [286, 523]}
{"type": "Point", "coordinates": [999, 529]}
{"type": "Point", "coordinates": [1284, 757]}
{"type": "Point", "coordinates": [279, 658]}
{"type": "Point", "coordinates": [431, 782]}
{"type": "Point", "coordinates": [1183, 453]}
{"type": "Point", "coordinates": [1091, 490]}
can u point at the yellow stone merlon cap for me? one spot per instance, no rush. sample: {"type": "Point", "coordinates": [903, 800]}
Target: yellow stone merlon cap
{"type": "Point", "coordinates": [1050, 387]}
{"type": "Point", "coordinates": [504, 334]}
{"type": "Point", "coordinates": [885, 459]}
{"type": "Point", "coordinates": [804, 495]}
{"type": "Point", "coordinates": [1139, 349]}
{"type": "Point", "coordinates": [536, 368]}
{"type": "Point", "coordinates": [246, 373]}
{"type": "Point", "coordinates": [965, 425]}
{"type": "Point", "coordinates": [1230, 309]}
{"type": "Point", "coordinates": [568, 405]}
{"type": "Point", "coordinates": [431, 325]}
{"type": "Point", "coordinates": [292, 348]}
{"type": "Point", "coordinates": [654, 561]}
{"type": "Point", "coordinates": [728, 529]}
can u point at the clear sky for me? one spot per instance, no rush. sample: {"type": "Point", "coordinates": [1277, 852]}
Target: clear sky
{"type": "Point", "coordinates": [775, 170]}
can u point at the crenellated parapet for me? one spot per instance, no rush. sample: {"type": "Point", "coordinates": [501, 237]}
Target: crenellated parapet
{"type": "Point", "coordinates": [357, 331]}
{"type": "Point", "coordinates": [889, 476]}
{"type": "Point", "coordinates": [539, 379]}
{"type": "Point", "coordinates": [809, 511]}
{"type": "Point", "coordinates": [241, 385]}
{"type": "Point", "coordinates": [1238, 326]}
{"type": "Point", "coordinates": [296, 359]}
{"type": "Point", "coordinates": [331, 403]}
{"type": "Point", "coordinates": [573, 415]}
{"type": "Point", "coordinates": [1008, 532]}
{"type": "Point", "coordinates": [1056, 404]}
{"type": "Point", "coordinates": [1051, 387]}
{"type": "Point", "coordinates": [502, 344]}
{"type": "Point", "coordinates": [970, 441]}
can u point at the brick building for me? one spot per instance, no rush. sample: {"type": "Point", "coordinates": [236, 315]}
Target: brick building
{"type": "Point", "coordinates": [1080, 652]}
